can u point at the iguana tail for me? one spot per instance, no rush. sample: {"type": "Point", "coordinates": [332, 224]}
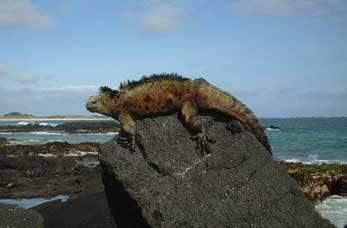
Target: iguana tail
{"type": "Point", "coordinates": [210, 97]}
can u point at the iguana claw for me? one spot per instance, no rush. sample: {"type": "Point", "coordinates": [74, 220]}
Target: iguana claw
{"type": "Point", "coordinates": [126, 140]}
{"type": "Point", "coordinates": [202, 138]}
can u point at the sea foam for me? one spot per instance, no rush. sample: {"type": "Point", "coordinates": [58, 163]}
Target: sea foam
{"type": "Point", "coordinates": [334, 208]}
{"type": "Point", "coordinates": [46, 133]}
{"type": "Point", "coordinates": [316, 161]}
{"type": "Point", "coordinates": [47, 124]}
{"type": "Point", "coordinates": [29, 203]}
{"type": "Point", "coordinates": [80, 154]}
{"type": "Point", "coordinates": [24, 123]}
{"type": "Point", "coordinates": [272, 129]}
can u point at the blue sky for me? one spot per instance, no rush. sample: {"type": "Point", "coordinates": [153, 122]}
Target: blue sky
{"type": "Point", "coordinates": [283, 58]}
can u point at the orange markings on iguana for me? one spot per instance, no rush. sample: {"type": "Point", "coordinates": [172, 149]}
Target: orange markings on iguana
{"type": "Point", "coordinates": [170, 92]}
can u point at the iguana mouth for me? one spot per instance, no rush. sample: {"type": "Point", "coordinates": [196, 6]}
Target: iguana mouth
{"type": "Point", "coordinates": [92, 104]}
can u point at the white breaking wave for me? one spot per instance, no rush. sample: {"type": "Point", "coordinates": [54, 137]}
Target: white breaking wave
{"type": "Point", "coordinates": [107, 133]}
{"type": "Point", "coordinates": [313, 159]}
{"type": "Point", "coordinates": [55, 140]}
{"type": "Point", "coordinates": [293, 160]}
{"type": "Point", "coordinates": [46, 133]}
{"type": "Point", "coordinates": [23, 123]}
{"type": "Point", "coordinates": [29, 203]}
{"type": "Point", "coordinates": [318, 161]}
{"type": "Point", "coordinates": [47, 124]}
{"type": "Point", "coordinates": [47, 155]}
{"type": "Point", "coordinates": [54, 133]}
{"type": "Point", "coordinates": [272, 129]}
{"type": "Point", "coordinates": [33, 133]}
{"type": "Point", "coordinates": [79, 154]}
{"type": "Point", "coordinates": [334, 208]}
{"type": "Point", "coordinates": [44, 124]}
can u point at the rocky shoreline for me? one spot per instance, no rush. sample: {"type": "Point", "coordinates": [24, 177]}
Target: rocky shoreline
{"type": "Point", "coordinates": [47, 170]}
{"type": "Point", "coordinates": [319, 181]}
{"type": "Point", "coordinates": [28, 171]}
{"type": "Point", "coordinates": [3, 141]}
{"type": "Point", "coordinates": [72, 127]}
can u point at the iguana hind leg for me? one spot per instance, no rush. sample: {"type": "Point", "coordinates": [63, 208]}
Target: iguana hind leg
{"type": "Point", "coordinates": [193, 121]}
{"type": "Point", "coordinates": [127, 135]}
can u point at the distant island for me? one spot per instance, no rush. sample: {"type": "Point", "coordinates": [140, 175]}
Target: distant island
{"type": "Point", "coordinates": [25, 116]}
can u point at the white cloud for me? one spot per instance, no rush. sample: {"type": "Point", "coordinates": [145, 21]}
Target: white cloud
{"type": "Point", "coordinates": [9, 74]}
{"type": "Point", "coordinates": [22, 13]}
{"type": "Point", "coordinates": [289, 7]}
{"type": "Point", "coordinates": [161, 18]}
{"type": "Point", "coordinates": [71, 88]}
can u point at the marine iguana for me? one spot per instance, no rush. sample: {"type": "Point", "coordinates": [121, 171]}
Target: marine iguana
{"type": "Point", "coordinates": [161, 93]}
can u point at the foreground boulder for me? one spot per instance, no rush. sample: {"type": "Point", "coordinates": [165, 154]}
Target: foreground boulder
{"type": "Point", "coordinates": [13, 217]}
{"type": "Point", "coordinates": [165, 183]}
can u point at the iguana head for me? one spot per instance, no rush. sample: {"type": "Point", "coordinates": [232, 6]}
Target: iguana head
{"type": "Point", "coordinates": [105, 102]}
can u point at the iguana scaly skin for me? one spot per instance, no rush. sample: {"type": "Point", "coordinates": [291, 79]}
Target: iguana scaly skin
{"type": "Point", "coordinates": [169, 92]}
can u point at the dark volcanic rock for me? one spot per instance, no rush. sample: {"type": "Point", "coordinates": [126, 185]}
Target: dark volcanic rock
{"type": "Point", "coordinates": [12, 217]}
{"type": "Point", "coordinates": [166, 184]}
{"type": "Point", "coordinates": [49, 169]}
{"type": "Point", "coordinates": [45, 177]}
{"type": "Point", "coordinates": [3, 141]}
{"type": "Point", "coordinates": [89, 211]}
{"type": "Point", "coordinates": [90, 126]}
{"type": "Point", "coordinates": [29, 176]}
{"type": "Point", "coordinates": [52, 148]}
{"type": "Point", "coordinates": [343, 186]}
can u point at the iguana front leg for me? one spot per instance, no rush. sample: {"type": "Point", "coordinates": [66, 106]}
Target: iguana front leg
{"type": "Point", "coordinates": [127, 133]}
{"type": "Point", "coordinates": [193, 121]}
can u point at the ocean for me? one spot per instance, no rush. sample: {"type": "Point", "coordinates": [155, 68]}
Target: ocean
{"type": "Point", "coordinates": [309, 140]}
{"type": "Point", "coordinates": [41, 137]}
